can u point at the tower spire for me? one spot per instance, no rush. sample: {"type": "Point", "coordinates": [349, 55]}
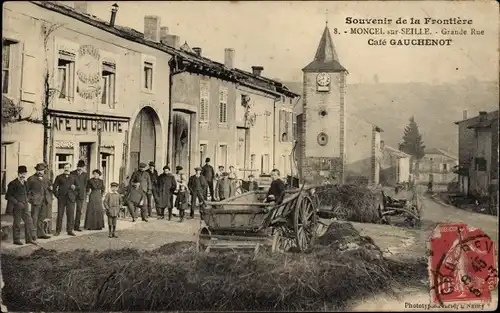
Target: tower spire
{"type": "Point", "coordinates": [326, 57]}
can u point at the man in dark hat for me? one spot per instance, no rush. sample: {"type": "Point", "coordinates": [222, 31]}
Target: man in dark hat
{"type": "Point", "coordinates": [39, 197]}
{"type": "Point", "coordinates": [208, 172]}
{"type": "Point", "coordinates": [198, 187]}
{"type": "Point", "coordinates": [17, 196]}
{"type": "Point", "coordinates": [166, 187]}
{"type": "Point", "coordinates": [65, 190]}
{"type": "Point", "coordinates": [142, 176]}
{"type": "Point", "coordinates": [153, 175]}
{"type": "Point", "coordinates": [82, 178]}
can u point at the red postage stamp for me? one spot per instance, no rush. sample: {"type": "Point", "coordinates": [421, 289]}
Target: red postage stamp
{"type": "Point", "coordinates": [462, 264]}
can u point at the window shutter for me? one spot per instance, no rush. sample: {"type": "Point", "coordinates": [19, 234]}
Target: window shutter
{"type": "Point", "coordinates": [280, 127]}
{"type": "Point", "coordinates": [30, 74]}
{"type": "Point", "coordinates": [117, 89]}
{"type": "Point", "coordinates": [290, 126]}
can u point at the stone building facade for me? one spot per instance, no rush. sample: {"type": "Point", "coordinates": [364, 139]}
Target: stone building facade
{"type": "Point", "coordinates": [106, 85]}
{"type": "Point", "coordinates": [227, 114]}
{"type": "Point", "coordinates": [478, 152]}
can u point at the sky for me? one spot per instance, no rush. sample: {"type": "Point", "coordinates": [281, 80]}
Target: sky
{"type": "Point", "coordinates": [283, 36]}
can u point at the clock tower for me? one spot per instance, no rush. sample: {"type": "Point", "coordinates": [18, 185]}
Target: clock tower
{"type": "Point", "coordinates": [321, 148]}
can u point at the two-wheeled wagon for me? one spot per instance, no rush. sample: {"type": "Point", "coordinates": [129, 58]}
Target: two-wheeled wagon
{"type": "Point", "coordinates": [245, 221]}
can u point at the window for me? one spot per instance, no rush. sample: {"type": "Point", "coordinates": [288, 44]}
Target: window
{"type": "Point", "coordinates": [264, 165]}
{"type": "Point", "coordinates": [148, 76]}
{"type": "Point", "coordinates": [223, 106]}
{"type": "Point", "coordinates": [66, 75]}
{"type": "Point", "coordinates": [6, 64]}
{"type": "Point", "coordinates": [445, 167]}
{"type": "Point", "coordinates": [61, 160]}
{"type": "Point", "coordinates": [252, 161]}
{"type": "Point", "coordinates": [267, 115]}
{"type": "Point", "coordinates": [204, 101]}
{"type": "Point", "coordinates": [291, 100]}
{"type": "Point", "coordinates": [480, 164]}
{"type": "Point", "coordinates": [108, 84]}
{"type": "Point", "coordinates": [223, 151]}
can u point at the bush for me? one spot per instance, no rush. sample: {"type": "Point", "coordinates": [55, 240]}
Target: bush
{"type": "Point", "coordinates": [173, 277]}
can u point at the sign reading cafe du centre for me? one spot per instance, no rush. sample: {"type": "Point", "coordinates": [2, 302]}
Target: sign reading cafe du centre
{"type": "Point", "coordinates": [81, 124]}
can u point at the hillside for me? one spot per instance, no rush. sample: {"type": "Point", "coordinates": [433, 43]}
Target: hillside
{"type": "Point", "coordinates": [435, 107]}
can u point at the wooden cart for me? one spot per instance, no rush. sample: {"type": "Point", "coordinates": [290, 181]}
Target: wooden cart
{"type": "Point", "coordinates": [244, 221]}
{"type": "Point", "coordinates": [408, 209]}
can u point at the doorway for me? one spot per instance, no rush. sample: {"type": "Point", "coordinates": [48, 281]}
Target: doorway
{"type": "Point", "coordinates": [143, 139]}
{"type": "Point", "coordinates": [182, 140]}
{"type": "Point", "coordinates": [106, 168]}
{"type": "Point", "coordinates": [85, 154]}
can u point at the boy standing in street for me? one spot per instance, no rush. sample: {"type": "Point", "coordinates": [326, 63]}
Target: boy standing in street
{"type": "Point", "coordinates": [136, 198]}
{"type": "Point", "coordinates": [112, 204]}
{"type": "Point", "coordinates": [181, 201]}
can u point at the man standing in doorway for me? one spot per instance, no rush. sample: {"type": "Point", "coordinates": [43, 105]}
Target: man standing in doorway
{"type": "Point", "coordinates": [17, 197]}
{"type": "Point", "coordinates": [39, 195]}
{"type": "Point", "coordinates": [82, 178]}
{"type": "Point", "coordinates": [65, 190]}
{"type": "Point", "coordinates": [153, 176]}
{"type": "Point", "coordinates": [198, 187]}
{"type": "Point", "coordinates": [208, 172]}
{"type": "Point", "coordinates": [144, 179]}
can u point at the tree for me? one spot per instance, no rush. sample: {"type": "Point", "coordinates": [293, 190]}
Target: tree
{"type": "Point", "coordinates": [412, 142]}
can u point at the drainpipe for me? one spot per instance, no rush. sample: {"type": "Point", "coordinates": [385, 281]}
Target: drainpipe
{"type": "Point", "coordinates": [274, 132]}
{"type": "Point", "coordinates": [295, 144]}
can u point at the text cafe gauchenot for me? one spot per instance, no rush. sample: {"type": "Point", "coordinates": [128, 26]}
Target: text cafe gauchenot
{"type": "Point", "coordinates": [83, 124]}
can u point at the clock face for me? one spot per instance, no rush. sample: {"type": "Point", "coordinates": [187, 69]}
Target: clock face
{"type": "Point", "coordinates": [323, 79]}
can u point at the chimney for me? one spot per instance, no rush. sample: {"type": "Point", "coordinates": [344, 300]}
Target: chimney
{"type": "Point", "coordinates": [257, 70]}
{"type": "Point", "coordinates": [81, 6]}
{"type": "Point", "coordinates": [229, 57]}
{"type": "Point", "coordinates": [114, 9]}
{"type": "Point", "coordinates": [163, 33]}
{"type": "Point", "coordinates": [197, 50]}
{"type": "Point", "coordinates": [171, 40]}
{"type": "Point", "coordinates": [152, 27]}
{"type": "Point", "coordinates": [465, 114]}
{"type": "Point", "coordinates": [382, 144]}
{"type": "Point", "coordinates": [482, 115]}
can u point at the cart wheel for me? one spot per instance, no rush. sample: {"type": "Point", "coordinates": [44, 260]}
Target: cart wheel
{"type": "Point", "coordinates": [202, 243]}
{"type": "Point", "coordinates": [281, 243]}
{"type": "Point", "coordinates": [305, 223]}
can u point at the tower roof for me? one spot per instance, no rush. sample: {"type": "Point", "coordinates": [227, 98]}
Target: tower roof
{"type": "Point", "coordinates": [326, 58]}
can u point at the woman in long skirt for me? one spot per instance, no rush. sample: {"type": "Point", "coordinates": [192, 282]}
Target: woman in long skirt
{"type": "Point", "coordinates": [94, 217]}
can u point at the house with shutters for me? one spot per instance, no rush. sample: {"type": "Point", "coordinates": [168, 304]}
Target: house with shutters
{"type": "Point", "coordinates": [89, 90]}
{"type": "Point", "coordinates": [234, 117]}
{"type": "Point", "coordinates": [437, 166]}
{"type": "Point", "coordinates": [478, 152]}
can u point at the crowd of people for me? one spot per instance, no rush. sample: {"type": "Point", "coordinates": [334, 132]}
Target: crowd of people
{"type": "Point", "coordinates": [29, 199]}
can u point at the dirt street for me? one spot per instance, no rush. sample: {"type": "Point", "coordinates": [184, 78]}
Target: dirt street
{"type": "Point", "coordinates": [396, 242]}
